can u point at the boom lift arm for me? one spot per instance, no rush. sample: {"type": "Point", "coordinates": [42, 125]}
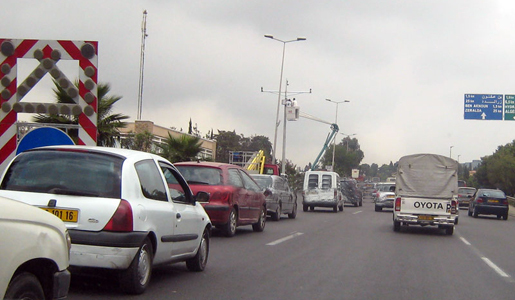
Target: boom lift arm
{"type": "Point", "coordinates": [330, 137]}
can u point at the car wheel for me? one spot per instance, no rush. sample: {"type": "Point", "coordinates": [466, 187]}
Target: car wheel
{"type": "Point", "coordinates": [361, 202]}
{"type": "Point", "coordinates": [230, 227]}
{"type": "Point", "coordinates": [475, 213]}
{"type": "Point", "coordinates": [25, 286]}
{"type": "Point", "coordinates": [356, 204]}
{"type": "Point", "coordinates": [505, 216]}
{"type": "Point", "coordinates": [335, 208]}
{"type": "Point", "coordinates": [304, 207]}
{"type": "Point", "coordinates": [276, 216]}
{"type": "Point", "coordinates": [498, 217]}
{"type": "Point", "coordinates": [135, 279]}
{"type": "Point", "coordinates": [378, 208]}
{"type": "Point", "coordinates": [396, 226]}
{"type": "Point", "coordinates": [199, 262]}
{"type": "Point", "coordinates": [341, 207]}
{"type": "Point", "coordinates": [293, 213]}
{"type": "Point", "coordinates": [449, 230]}
{"type": "Point", "coordinates": [312, 208]}
{"type": "Point", "coordinates": [260, 225]}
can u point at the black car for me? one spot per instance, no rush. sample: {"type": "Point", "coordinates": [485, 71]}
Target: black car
{"type": "Point", "coordinates": [489, 202]}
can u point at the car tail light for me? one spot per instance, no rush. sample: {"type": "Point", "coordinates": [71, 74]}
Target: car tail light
{"type": "Point", "coordinates": [335, 192]}
{"type": "Point", "coordinates": [504, 201]}
{"type": "Point", "coordinates": [398, 204]}
{"type": "Point", "coordinates": [453, 207]}
{"type": "Point", "coordinates": [479, 200]}
{"type": "Point", "coordinates": [122, 219]}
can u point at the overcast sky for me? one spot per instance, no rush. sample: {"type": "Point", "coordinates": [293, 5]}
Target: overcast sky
{"type": "Point", "coordinates": [404, 65]}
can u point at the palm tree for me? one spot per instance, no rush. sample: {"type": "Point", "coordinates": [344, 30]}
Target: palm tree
{"type": "Point", "coordinates": [108, 124]}
{"type": "Point", "coordinates": [184, 148]}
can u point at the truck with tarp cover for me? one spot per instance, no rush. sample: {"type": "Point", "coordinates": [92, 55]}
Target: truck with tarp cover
{"type": "Point", "coordinates": [426, 189]}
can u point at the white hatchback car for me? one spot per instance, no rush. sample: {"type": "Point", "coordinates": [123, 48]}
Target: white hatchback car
{"type": "Point", "coordinates": [124, 209]}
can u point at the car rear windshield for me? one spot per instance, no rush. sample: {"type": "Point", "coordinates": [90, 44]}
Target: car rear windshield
{"type": "Point", "coordinates": [201, 175]}
{"type": "Point", "coordinates": [468, 191]}
{"type": "Point", "coordinates": [493, 194]}
{"type": "Point", "coordinates": [263, 181]}
{"type": "Point", "coordinates": [65, 172]}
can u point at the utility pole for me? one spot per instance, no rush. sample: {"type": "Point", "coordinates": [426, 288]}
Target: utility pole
{"type": "Point", "coordinates": [142, 63]}
{"type": "Point", "coordinates": [284, 103]}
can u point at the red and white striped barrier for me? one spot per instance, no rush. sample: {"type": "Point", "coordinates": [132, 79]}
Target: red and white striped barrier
{"type": "Point", "coordinates": [48, 53]}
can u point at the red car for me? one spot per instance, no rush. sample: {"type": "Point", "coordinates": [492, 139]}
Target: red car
{"type": "Point", "coordinates": [235, 198]}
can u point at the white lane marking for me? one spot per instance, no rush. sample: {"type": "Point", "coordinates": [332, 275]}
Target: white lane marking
{"type": "Point", "coordinates": [465, 241]}
{"type": "Point", "coordinates": [357, 212]}
{"type": "Point", "coordinates": [291, 236]}
{"type": "Point", "coordinates": [495, 267]}
{"type": "Point", "coordinates": [486, 260]}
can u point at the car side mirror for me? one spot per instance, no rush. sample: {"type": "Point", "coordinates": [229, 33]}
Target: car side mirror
{"type": "Point", "coordinates": [202, 197]}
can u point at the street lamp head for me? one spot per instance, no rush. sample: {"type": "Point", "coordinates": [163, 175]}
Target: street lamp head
{"type": "Point", "coordinates": [269, 36]}
{"type": "Point", "coordinates": [301, 39]}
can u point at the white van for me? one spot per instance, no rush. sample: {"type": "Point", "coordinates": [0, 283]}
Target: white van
{"type": "Point", "coordinates": [322, 189]}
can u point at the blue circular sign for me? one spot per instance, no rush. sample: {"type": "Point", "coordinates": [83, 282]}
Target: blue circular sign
{"type": "Point", "coordinates": [44, 136]}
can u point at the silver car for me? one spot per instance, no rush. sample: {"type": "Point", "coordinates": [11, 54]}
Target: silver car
{"type": "Point", "coordinates": [280, 199]}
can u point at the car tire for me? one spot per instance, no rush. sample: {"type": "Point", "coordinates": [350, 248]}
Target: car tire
{"type": "Point", "coordinates": [505, 217]}
{"type": "Point", "coordinates": [499, 217]}
{"type": "Point", "coordinates": [475, 213]}
{"type": "Point", "coordinates": [341, 207]}
{"type": "Point", "coordinates": [199, 261]}
{"type": "Point", "coordinates": [456, 221]}
{"type": "Point", "coordinates": [135, 279]}
{"type": "Point", "coordinates": [230, 228]}
{"type": "Point", "coordinates": [312, 208]}
{"type": "Point", "coordinates": [25, 286]}
{"type": "Point", "coordinates": [378, 208]}
{"type": "Point", "coordinates": [361, 202]}
{"type": "Point", "coordinates": [276, 216]}
{"type": "Point", "coordinates": [396, 226]}
{"type": "Point", "coordinates": [449, 230]}
{"type": "Point", "coordinates": [293, 213]}
{"type": "Point", "coordinates": [356, 204]}
{"type": "Point", "coordinates": [335, 208]}
{"type": "Point", "coordinates": [304, 207]}
{"type": "Point", "coordinates": [260, 225]}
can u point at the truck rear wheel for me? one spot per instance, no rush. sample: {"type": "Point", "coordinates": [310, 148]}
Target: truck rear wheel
{"type": "Point", "coordinates": [396, 225]}
{"type": "Point", "coordinates": [449, 230]}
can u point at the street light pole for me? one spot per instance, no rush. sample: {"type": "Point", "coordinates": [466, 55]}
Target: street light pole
{"type": "Point", "coordinates": [450, 151]}
{"type": "Point", "coordinates": [335, 122]}
{"type": "Point", "coordinates": [280, 86]}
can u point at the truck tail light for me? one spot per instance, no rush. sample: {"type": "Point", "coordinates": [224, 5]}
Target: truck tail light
{"type": "Point", "coordinates": [453, 207]}
{"type": "Point", "coordinates": [122, 219]}
{"type": "Point", "coordinates": [398, 204]}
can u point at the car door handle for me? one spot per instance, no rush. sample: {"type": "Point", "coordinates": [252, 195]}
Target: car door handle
{"type": "Point", "coordinates": [178, 216]}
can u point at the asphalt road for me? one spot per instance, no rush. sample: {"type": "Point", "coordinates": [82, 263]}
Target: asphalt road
{"type": "Point", "coordinates": [353, 254]}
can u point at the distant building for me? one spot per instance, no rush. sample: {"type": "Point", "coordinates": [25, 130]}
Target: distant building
{"type": "Point", "coordinates": [472, 165]}
{"type": "Point", "coordinates": [161, 134]}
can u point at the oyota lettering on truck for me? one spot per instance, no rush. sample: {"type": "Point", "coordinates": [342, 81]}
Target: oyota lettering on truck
{"type": "Point", "coordinates": [426, 192]}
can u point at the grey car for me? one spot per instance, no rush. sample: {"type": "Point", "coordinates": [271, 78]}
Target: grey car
{"type": "Point", "coordinates": [280, 199]}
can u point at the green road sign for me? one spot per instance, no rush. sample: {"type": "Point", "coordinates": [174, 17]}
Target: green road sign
{"type": "Point", "coordinates": [509, 107]}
